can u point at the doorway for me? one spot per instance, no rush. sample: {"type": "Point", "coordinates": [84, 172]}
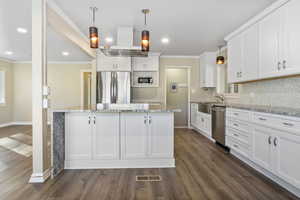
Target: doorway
{"type": "Point", "coordinates": [177, 82]}
{"type": "Point", "coordinates": [86, 87]}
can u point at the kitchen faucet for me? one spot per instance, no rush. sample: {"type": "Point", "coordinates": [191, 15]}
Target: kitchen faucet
{"type": "Point", "coordinates": [221, 97]}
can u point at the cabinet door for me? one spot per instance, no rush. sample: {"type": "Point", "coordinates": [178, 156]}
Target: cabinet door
{"type": "Point", "coordinates": [150, 63]}
{"type": "Point", "coordinates": [261, 147]}
{"type": "Point", "coordinates": [78, 136]}
{"type": "Point", "coordinates": [291, 40]}
{"type": "Point", "coordinates": [235, 59]}
{"type": "Point", "coordinates": [134, 135]}
{"type": "Point", "coordinates": [287, 157]}
{"type": "Point", "coordinates": [106, 63]}
{"type": "Point", "coordinates": [269, 38]}
{"type": "Point", "coordinates": [106, 136]}
{"type": "Point", "coordinates": [250, 65]}
{"type": "Point", "coordinates": [161, 135]}
{"type": "Point", "coordinates": [123, 63]}
{"type": "Point", "coordinates": [194, 114]}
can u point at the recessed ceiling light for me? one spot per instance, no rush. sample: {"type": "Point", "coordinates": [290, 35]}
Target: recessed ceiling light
{"type": "Point", "coordinates": [165, 40]}
{"type": "Point", "coordinates": [22, 30]}
{"type": "Point", "coordinates": [109, 39]}
{"type": "Point", "coordinates": [65, 53]}
{"type": "Point", "coordinates": [9, 53]}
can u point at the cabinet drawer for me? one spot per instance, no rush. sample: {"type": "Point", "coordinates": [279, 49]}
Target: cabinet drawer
{"type": "Point", "coordinates": [238, 146]}
{"type": "Point", "coordinates": [241, 136]}
{"type": "Point", "coordinates": [238, 125]}
{"type": "Point", "coordinates": [277, 121]}
{"type": "Point", "coordinates": [238, 114]}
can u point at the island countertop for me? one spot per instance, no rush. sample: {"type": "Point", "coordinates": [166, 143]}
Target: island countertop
{"type": "Point", "coordinates": [153, 108]}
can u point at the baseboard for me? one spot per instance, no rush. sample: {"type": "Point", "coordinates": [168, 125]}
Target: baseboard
{"type": "Point", "coordinates": [181, 127]}
{"type": "Point", "coordinates": [6, 124]}
{"type": "Point", "coordinates": [40, 177]}
{"type": "Point", "coordinates": [268, 174]}
{"type": "Point", "coordinates": [119, 164]}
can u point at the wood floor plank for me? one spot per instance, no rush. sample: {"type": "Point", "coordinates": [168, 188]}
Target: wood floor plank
{"type": "Point", "coordinates": [203, 171]}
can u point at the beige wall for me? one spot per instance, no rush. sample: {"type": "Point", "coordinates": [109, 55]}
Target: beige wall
{"type": "Point", "coordinates": [158, 94]}
{"type": "Point", "coordinates": [6, 110]}
{"type": "Point", "coordinates": [63, 79]}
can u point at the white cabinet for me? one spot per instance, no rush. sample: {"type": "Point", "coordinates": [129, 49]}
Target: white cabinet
{"type": "Point", "coordinates": [208, 70]}
{"type": "Point", "coordinates": [286, 157]}
{"type": "Point", "coordinates": [270, 34]}
{"type": "Point", "coordinates": [147, 135]}
{"type": "Point", "coordinates": [106, 136]}
{"type": "Point", "coordinates": [291, 40]}
{"type": "Point", "coordinates": [134, 131]}
{"type": "Point", "coordinates": [262, 148]}
{"type": "Point", "coordinates": [144, 64]}
{"type": "Point", "coordinates": [235, 59]}
{"type": "Point", "coordinates": [269, 47]}
{"type": "Point", "coordinates": [201, 121]}
{"type": "Point", "coordinates": [243, 56]}
{"type": "Point", "coordinates": [161, 137]}
{"type": "Point", "coordinates": [106, 63]}
{"type": "Point", "coordinates": [78, 136]}
{"type": "Point", "coordinates": [194, 110]}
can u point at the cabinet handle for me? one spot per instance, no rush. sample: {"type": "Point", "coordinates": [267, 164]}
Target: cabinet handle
{"type": "Point", "coordinates": [236, 135]}
{"type": "Point", "coordinates": [284, 64]}
{"type": "Point", "coordinates": [236, 114]}
{"type": "Point", "coordinates": [262, 119]}
{"type": "Point", "coordinates": [241, 74]}
{"type": "Point", "coordinates": [145, 120]}
{"type": "Point", "coordinates": [236, 125]}
{"type": "Point", "coordinates": [236, 146]}
{"type": "Point", "coordinates": [275, 142]}
{"type": "Point", "coordinates": [89, 120]}
{"type": "Point", "coordinates": [288, 124]}
{"type": "Point", "coordinates": [150, 120]}
{"type": "Point", "coordinates": [94, 120]}
{"type": "Point", "coordinates": [270, 140]}
{"type": "Point", "coordinates": [279, 66]}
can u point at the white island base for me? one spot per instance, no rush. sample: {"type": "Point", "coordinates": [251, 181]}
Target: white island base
{"type": "Point", "coordinates": [105, 140]}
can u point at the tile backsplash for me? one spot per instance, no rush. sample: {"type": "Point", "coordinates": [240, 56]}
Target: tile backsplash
{"type": "Point", "coordinates": [284, 92]}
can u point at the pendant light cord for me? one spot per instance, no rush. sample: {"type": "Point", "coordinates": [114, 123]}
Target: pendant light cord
{"type": "Point", "coordinates": [94, 10]}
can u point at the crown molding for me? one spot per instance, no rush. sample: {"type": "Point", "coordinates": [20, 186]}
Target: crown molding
{"type": "Point", "coordinates": [170, 56]}
{"type": "Point", "coordinates": [57, 62]}
{"type": "Point", "coordinates": [257, 18]}
{"type": "Point", "coordinates": [6, 60]}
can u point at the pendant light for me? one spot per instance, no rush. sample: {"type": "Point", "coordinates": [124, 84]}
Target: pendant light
{"type": "Point", "coordinates": [145, 44]}
{"type": "Point", "coordinates": [220, 58]}
{"type": "Point", "coordinates": [94, 38]}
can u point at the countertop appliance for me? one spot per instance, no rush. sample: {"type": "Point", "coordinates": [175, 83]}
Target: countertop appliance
{"type": "Point", "coordinates": [113, 88]}
{"type": "Point", "coordinates": [218, 123]}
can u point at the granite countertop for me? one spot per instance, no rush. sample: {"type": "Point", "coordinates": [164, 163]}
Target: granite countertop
{"type": "Point", "coordinates": [152, 108]}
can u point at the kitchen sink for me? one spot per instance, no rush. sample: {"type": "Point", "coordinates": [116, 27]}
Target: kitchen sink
{"type": "Point", "coordinates": [206, 107]}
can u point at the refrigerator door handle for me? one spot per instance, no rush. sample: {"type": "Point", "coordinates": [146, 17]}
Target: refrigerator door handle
{"type": "Point", "coordinates": [112, 88]}
{"type": "Point", "coordinates": [116, 87]}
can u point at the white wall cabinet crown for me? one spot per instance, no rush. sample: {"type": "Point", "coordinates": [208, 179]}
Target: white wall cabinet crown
{"type": "Point", "coordinates": [107, 63]}
{"type": "Point", "coordinates": [267, 46]}
{"type": "Point", "coordinates": [208, 69]}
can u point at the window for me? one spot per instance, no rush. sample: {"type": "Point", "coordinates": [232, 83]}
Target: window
{"type": "Point", "coordinates": [2, 87]}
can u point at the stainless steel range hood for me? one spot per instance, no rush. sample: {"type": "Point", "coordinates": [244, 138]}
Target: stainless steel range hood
{"type": "Point", "coordinates": [124, 45]}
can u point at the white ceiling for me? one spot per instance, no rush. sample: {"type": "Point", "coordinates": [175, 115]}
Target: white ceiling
{"type": "Point", "coordinates": [193, 26]}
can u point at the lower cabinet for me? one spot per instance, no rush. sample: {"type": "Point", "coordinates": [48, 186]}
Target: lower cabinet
{"type": "Point", "coordinates": [147, 135]}
{"type": "Point", "coordinates": [201, 121]}
{"type": "Point", "coordinates": [113, 140]}
{"type": "Point", "coordinates": [78, 136]}
{"type": "Point", "coordinates": [106, 134]}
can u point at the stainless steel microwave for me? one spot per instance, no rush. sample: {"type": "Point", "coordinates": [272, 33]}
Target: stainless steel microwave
{"type": "Point", "coordinates": [145, 80]}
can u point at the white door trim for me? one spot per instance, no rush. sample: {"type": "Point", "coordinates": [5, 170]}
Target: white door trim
{"type": "Point", "coordinates": [189, 69]}
{"type": "Point", "coordinates": [82, 71]}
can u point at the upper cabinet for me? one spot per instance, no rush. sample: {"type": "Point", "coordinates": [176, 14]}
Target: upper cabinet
{"type": "Point", "coordinates": [243, 54]}
{"type": "Point", "coordinates": [150, 63]}
{"type": "Point", "coordinates": [208, 69]}
{"type": "Point", "coordinates": [106, 63]}
{"type": "Point", "coordinates": [267, 46]}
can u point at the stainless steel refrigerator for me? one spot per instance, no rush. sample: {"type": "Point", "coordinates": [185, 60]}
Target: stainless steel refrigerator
{"type": "Point", "coordinates": [113, 88]}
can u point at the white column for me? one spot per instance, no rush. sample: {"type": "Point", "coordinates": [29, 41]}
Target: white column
{"type": "Point", "coordinates": [40, 159]}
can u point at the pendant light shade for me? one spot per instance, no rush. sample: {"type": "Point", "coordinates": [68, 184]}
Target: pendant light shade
{"type": "Point", "coordinates": [145, 43]}
{"type": "Point", "coordinates": [94, 39]}
{"type": "Point", "coordinates": [145, 40]}
{"type": "Point", "coordinates": [93, 30]}
{"type": "Point", "coordinates": [220, 59]}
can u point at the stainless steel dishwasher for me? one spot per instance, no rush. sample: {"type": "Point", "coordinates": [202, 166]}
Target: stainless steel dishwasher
{"type": "Point", "coordinates": [218, 123]}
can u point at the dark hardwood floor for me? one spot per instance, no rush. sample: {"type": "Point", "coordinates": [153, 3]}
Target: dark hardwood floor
{"type": "Point", "coordinates": [203, 171]}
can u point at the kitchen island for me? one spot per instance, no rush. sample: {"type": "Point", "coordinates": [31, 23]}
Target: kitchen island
{"type": "Point", "coordinates": [87, 138]}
